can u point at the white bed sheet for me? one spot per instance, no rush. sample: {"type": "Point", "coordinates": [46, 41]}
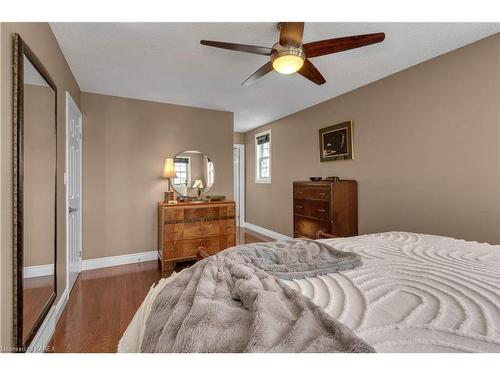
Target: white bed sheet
{"type": "Point", "coordinates": [414, 293]}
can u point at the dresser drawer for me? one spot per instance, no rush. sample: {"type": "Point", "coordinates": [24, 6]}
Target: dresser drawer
{"type": "Point", "coordinates": [186, 249]}
{"type": "Point", "coordinates": [312, 208]}
{"type": "Point", "coordinates": [228, 211]}
{"type": "Point", "coordinates": [173, 215]}
{"type": "Point", "coordinates": [201, 214]}
{"type": "Point", "coordinates": [319, 209]}
{"type": "Point", "coordinates": [174, 236]}
{"type": "Point", "coordinates": [308, 227]}
{"type": "Point", "coordinates": [301, 192]}
{"type": "Point", "coordinates": [201, 229]}
{"type": "Point", "coordinates": [182, 249]}
{"type": "Point", "coordinates": [319, 193]}
{"type": "Point", "coordinates": [174, 227]}
{"type": "Point", "coordinates": [228, 226]}
{"type": "Point", "coordinates": [311, 192]}
{"type": "Point", "coordinates": [301, 207]}
{"type": "Point", "coordinates": [173, 232]}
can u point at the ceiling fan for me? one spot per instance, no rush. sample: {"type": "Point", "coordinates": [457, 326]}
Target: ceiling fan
{"type": "Point", "coordinates": [290, 55]}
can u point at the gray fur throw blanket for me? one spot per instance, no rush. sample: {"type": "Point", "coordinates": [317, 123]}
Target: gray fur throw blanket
{"type": "Point", "coordinates": [234, 302]}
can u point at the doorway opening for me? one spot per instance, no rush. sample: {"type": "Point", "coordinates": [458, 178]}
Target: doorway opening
{"type": "Point", "coordinates": [73, 181]}
{"type": "Point", "coordinates": [239, 183]}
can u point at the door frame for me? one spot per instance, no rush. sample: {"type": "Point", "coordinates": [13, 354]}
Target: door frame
{"type": "Point", "coordinates": [241, 147]}
{"type": "Point", "coordinates": [70, 102]}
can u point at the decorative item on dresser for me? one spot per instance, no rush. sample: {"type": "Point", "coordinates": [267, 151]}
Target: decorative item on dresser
{"type": "Point", "coordinates": [186, 228]}
{"type": "Point", "coordinates": [327, 206]}
{"type": "Point", "coordinates": [168, 174]}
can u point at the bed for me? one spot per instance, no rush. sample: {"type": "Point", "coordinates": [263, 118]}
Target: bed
{"type": "Point", "coordinates": [413, 293]}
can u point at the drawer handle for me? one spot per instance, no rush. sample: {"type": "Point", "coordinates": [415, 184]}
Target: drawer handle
{"type": "Point", "coordinates": [323, 194]}
{"type": "Point", "coordinates": [320, 210]}
{"type": "Point", "coordinates": [298, 206]}
{"type": "Point", "coordinates": [300, 192]}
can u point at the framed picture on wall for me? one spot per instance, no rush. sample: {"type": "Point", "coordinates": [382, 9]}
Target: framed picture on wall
{"type": "Point", "coordinates": [335, 142]}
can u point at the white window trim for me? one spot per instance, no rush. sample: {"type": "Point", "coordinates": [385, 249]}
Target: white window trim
{"type": "Point", "coordinates": [257, 179]}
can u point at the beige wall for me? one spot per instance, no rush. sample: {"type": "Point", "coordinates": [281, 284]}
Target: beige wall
{"type": "Point", "coordinates": [498, 132]}
{"type": "Point", "coordinates": [39, 164]}
{"type": "Point", "coordinates": [3, 283]}
{"type": "Point", "coordinates": [125, 143]}
{"type": "Point", "coordinates": [40, 39]}
{"type": "Point", "coordinates": [239, 138]}
{"type": "Point", "coordinates": [426, 144]}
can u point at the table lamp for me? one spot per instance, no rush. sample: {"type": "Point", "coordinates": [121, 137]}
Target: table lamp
{"type": "Point", "coordinates": [169, 173]}
{"type": "Point", "coordinates": [198, 184]}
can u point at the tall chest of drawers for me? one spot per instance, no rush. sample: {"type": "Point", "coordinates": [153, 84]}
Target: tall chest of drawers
{"type": "Point", "coordinates": [185, 228]}
{"type": "Point", "coordinates": [329, 206]}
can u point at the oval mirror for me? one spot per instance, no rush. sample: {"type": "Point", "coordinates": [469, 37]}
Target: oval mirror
{"type": "Point", "coordinates": [195, 174]}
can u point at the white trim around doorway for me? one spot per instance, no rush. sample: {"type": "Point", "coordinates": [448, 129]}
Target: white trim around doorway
{"type": "Point", "coordinates": [241, 184]}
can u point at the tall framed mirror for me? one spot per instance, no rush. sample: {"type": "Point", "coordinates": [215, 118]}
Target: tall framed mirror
{"type": "Point", "coordinates": [34, 226]}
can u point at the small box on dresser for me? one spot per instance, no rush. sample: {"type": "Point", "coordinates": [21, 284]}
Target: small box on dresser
{"type": "Point", "coordinates": [329, 206]}
{"type": "Point", "coordinates": [185, 228]}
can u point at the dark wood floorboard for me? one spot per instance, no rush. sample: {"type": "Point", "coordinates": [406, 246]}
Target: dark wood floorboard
{"type": "Point", "coordinates": [36, 294]}
{"type": "Point", "coordinates": [103, 302]}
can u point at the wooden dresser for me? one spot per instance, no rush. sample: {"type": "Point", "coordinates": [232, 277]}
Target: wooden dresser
{"type": "Point", "coordinates": [329, 206]}
{"type": "Point", "coordinates": [184, 228]}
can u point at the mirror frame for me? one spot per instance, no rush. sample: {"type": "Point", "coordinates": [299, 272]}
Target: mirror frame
{"type": "Point", "coordinates": [21, 50]}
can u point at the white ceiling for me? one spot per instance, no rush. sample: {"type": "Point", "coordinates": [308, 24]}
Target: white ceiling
{"type": "Point", "coordinates": [165, 62]}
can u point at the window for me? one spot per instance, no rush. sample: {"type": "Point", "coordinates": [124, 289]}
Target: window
{"type": "Point", "coordinates": [182, 171]}
{"type": "Point", "coordinates": [210, 172]}
{"type": "Point", "coordinates": [263, 158]}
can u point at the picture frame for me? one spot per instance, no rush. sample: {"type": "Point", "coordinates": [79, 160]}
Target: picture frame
{"type": "Point", "coordinates": [336, 142]}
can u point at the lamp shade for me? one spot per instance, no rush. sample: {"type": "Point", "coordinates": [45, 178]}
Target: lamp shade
{"type": "Point", "coordinates": [198, 184]}
{"type": "Point", "coordinates": [169, 169]}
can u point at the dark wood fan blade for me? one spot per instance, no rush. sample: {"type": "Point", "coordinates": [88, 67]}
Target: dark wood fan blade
{"type": "Point", "coordinates": [291, 33]}
{"type": "Point", "coordinates": [328, 46]}
{"type": "Point", "coordinates": [239, 47]}
{"type": "Point", "coordinates": [310, 72]}
{"type": "Point", "coordinates": [259, 73]}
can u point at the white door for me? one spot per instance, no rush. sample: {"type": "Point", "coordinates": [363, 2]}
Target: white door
{"type": "Point", "coordinates": [239, 183]}
{"type": "Point", "coordinates": [73, 189]}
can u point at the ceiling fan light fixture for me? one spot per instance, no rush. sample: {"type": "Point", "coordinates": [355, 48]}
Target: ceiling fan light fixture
{"type": "Point", "coordinates": [290, 55]}
{"type": "Point", "coordinates": [288, 61]}
{"type": "Point", "coordinates": [288, 64]}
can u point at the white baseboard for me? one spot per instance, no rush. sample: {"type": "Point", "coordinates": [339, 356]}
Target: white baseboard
{"type": "Point", "coordinates": [37, 271]}
{"type": "Point", "coordinates": [46, 330]}
{"type": "Point", "coordinates": [91, 264]}
{"type": "Point", "coordinates": [266, 232]}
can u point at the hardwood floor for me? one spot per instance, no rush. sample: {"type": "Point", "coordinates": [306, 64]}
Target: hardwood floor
{"type": "Point", "coordinates": [36, 294]}
{"type": "Point", "coordinates": [103, 302]}
{"type": "Point", "coordinates": [244, 235]}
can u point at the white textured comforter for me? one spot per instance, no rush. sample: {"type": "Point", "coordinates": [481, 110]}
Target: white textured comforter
{"type": "Point", "coordinates": [414, 293]}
